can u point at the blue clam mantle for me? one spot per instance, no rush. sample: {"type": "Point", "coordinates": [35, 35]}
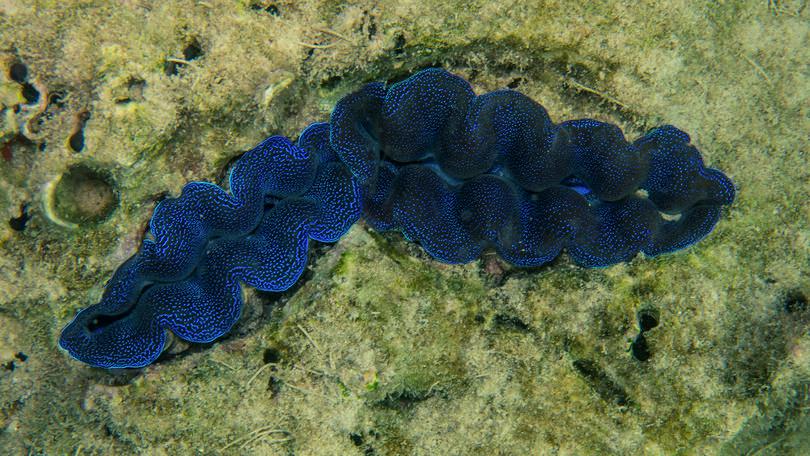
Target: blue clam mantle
{"type": "Point", "coordinates": [455, 172]}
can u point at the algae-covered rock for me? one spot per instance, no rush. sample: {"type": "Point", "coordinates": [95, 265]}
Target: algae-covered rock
{"type": "Point", "coordinates": [108, 107]}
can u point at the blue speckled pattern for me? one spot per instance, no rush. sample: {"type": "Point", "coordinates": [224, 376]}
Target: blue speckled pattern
{"type": "Point", "coordinates": [455, 172]}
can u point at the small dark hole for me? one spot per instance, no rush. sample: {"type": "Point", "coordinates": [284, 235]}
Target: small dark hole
{"type": "Point", "coordinates": [18, 72]}
{"type": "Point", "coordinates": [42, 146]}
{"type": "Point", "coordinates": [640, 349]}
{"type": "Point", "coordinates": [372, 30]}
{"type": "Point", "coordinates": [76, 140]}
{"type": "Point", "coordinates": [271, 355]}
{"type": "Point", "coordinates": [30, 93]}
{"type": "Point", "coordinates": [399, 44]}
{"type": "Point", "coordinates": [192, 51]}
{"type": "Point", "coordinates": [795, 302]}
{"type": "Point", "coordinates": [647, 320]}
{"type": "Point", "coordinates": [57, 98]}
{"type": "Point", "coordinates": [9, 366]}
{"type": "Point", "coordinates": [18, 223]}
{"type": "Point", "coordinates": [359, 442]}
{"type": "Point", "coordinates": [273, 385]}
{"type": "Point", "coordinates": [331, 82]}
{"type": "Point", "coordinates": [356, 439]}
{"type": "Point", "coordinates": [510, 322]}
{"type": "Point", "coordinates": [21, 356]}
{"type": "Point", "coordinates": [514, 83]}
{"type": "Point", "coordinates": [269, 9]}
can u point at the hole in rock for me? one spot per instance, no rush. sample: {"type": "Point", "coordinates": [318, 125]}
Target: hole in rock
{"type": "Point", "coordinates": [85, 195]}
{"type": "Point", "coordinates": [510, 322]}
{"type": "Point", "coordinates": [273, 385]}
{"type": "Point", "coordinates": [514, 83]}
{"type": "Point", "coordinates": [76, 140]}
{"type": "Point", "coordinates": [57, 98]}
{"type": "Point", "coordinates": [193, 50]}
{"type": "Point", "coordinates": [30, 93]}
{"type": "Point", "coordinates": [359, 442]}
{"type": "Point", "coordinates": [372, 30]}
{"type": "Point", "coordinates": [640, 348]}
{"type": "Point", "coordinates": [399, 44]}
{"type": "Point", "coordinates": [18, 72]}
{"type": "Point", "coordinates": [795, 302]}
{"type": "Point", "coordinates": [270, 9]}
{"type": "Point", "coordinates": [356, 439]}
{"type": "Point", "coordinates": [647, 319]}
{"type": "Point", "coordinates": [271, 355]}
{"type": "Point", "coordinates": [331, 82]}
{"type": "Point", "coordinates": [18, 223]}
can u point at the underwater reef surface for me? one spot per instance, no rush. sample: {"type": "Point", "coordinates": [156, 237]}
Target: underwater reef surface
{"type": "Point", "coordinates": [457, 173]}
{"type": "Point", "coordinates": [108, 109]}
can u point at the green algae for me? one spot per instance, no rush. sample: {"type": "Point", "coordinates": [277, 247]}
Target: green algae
{"type": "Point", "coordinates": [382, 350]}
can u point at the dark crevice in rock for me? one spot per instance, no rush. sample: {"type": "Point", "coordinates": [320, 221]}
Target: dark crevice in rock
{"type": "Point", "coordinates": [602, 384]}
{"type": "Point", "coordinates": [510, 323]}
{"type": "Point", "coordinates": [18, 223]}
{"type": "Point", "coordinates": [76, 140]}
{"type": "Point", "coordinates": [270, 9]}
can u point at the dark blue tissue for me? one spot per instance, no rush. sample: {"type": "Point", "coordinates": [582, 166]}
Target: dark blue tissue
{"type": "Point", "coordinates": [458, 173]}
